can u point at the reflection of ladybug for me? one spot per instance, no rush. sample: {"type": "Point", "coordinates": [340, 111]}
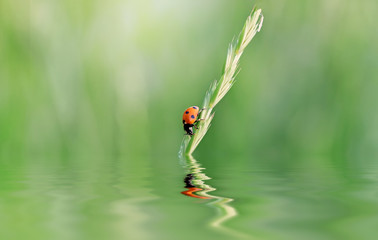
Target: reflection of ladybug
{"type": "Point", "coordinates": [190, 193]}
{"type": "Point", "coordinates": [191, 188]}
{"type": "Point", "coordinates": [190, 118]}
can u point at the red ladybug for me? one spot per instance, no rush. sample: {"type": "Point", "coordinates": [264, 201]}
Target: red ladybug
{"type": "Point", "coordinates": [190, 118]}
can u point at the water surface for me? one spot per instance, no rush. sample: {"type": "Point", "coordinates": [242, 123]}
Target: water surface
{"type": "Point", "coordinates": [121, 198]}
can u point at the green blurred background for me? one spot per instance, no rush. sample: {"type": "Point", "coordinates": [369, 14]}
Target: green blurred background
{"type": "Point", "coordinates": [91, 99]}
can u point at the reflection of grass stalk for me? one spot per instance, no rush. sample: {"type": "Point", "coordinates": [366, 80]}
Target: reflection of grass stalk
{"type": "Point", "coordinates": [221, 204]}
{"type": "Point", "coordinates": [218, 89]}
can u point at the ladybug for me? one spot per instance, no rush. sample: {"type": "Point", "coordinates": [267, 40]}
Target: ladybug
{"type": "Point", "coordinates": [189, 119]}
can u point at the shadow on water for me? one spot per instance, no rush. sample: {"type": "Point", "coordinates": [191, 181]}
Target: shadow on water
{"type": "Point", "coordinates": [197, 188]}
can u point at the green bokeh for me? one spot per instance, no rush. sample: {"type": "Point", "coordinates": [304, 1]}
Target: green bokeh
{"type": "Point", "coordinates": [91, 99]}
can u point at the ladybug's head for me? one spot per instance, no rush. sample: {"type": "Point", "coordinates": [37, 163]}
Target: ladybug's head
{"type": "Point", "coordinates": [188, 128]}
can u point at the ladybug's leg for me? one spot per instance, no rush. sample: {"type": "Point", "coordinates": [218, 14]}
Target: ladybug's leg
{"type": "Point", "coordinates": [199, 120]}
{"type": "Point", "coordinates": [196, 123]}
{"type": "Point", "coordinates": [201, 111]}
{"type": "Point", "coordinates": [199, 114]}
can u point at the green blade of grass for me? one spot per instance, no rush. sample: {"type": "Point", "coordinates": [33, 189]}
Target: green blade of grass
{"type": "Point", "coordinates": [218, 89]}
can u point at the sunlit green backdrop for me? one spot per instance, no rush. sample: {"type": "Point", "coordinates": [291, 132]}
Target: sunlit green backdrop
{"type": "Point", "coordinates": [91, 99]}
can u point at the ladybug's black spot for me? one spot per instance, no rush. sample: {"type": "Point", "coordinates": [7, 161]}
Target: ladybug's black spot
{"type": "Point", "coordinates": [187, 112]}
{"type": "Point", "coordinates": [194, 107]}
{"type": "Point", "coordinates": [192, 116]}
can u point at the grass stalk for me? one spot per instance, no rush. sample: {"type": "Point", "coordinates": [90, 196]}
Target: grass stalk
{"type": "Point", "coordinates": [218, 89]}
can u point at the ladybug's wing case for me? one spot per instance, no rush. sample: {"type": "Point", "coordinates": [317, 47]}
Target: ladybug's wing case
{"type": "Point", "coordinates": [190, 115]}
{"type": "Point", "coordinates": [187, 117]}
